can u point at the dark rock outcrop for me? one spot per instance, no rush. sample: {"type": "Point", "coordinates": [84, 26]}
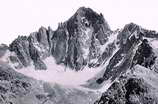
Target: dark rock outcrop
{"type": "Point", "coordinates": [3, 49]}
{"type": "Point", "coordinates": [73, 41]}
{"type": "Point", "coordinates": [133, 87]}
{"type": "Point", "coordinates": [33, 48]}
{"type": "Point", "coordinates": [128, 54]}
{"type": "Point", "coordinates": [122, 59]}
{"type": "Point", "coordinates": [144, 55]}
{"type": "Point", "coordinates": [131, 91]}
{"type": "Point", "coordinates": [21, 47]}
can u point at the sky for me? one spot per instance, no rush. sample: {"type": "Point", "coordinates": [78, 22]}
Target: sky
{"type": "Point", "coordinates": [21, 17]}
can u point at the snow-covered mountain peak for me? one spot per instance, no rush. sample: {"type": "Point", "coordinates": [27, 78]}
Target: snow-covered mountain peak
{"type": "Point", "coordinates": [83, 55]}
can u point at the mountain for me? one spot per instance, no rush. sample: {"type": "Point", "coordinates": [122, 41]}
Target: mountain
{"type": "Point", "coordinates": [83, 61]}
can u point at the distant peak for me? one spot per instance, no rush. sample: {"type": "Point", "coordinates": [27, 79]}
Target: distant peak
{"type": "Point", "coordinates": [84, 9]}
{"type": "Point", "coordinates": [88, 13]}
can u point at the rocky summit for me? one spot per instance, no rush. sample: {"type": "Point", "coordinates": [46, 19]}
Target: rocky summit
{"type": "Point", "coordinates": [83, 61]}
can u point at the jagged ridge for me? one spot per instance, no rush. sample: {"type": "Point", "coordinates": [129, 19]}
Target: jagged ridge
{"type": "Point", "coordinates": [86, 40]}
{"type": "Point", "coordinates": [73, 43]}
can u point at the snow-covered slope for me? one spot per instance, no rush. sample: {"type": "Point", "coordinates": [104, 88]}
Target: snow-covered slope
{"type": "Point", "coordinates": [60, 74]}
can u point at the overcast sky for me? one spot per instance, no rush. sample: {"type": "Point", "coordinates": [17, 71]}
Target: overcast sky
{"type": "Point", "coordinates": [20, 17]}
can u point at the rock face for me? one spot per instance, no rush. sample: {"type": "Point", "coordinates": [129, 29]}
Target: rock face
{"type": "Point", "coordinates": [123, 93]}
{"type": "Point", "coordinates": [144, 55]}
{"type": "Point", "coordinates": [84, 40]}
{"type": "Point", "coordinates": [75, 43]}
{"type": "Point", "coordinates": [133, 87]}
{"type": "Point", "coordinates": [33, 48]}
{"type": "Point", "coordinates": [3, 49]}
{"type": "Point", "coordinates": [133, 49]}
{"type": "Point", "coordinates": [21, 47]}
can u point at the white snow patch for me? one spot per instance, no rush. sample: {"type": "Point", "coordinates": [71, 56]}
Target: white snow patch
{"type": "Point", "coordinates": [86, 52]}
{"type": "Point", "coordinates": [111, 39]}
{"type": "Point", "coordinates": [36, 45]}
{"type": "Point", "coordinates": [57, 74]}
{"type": "Point", "coordinates": [5, 57]}
{"type": "Point", "coordinates": [121, 61]}
{"type": "Point", "coordinates": [39, 47]}
{"type": "Point", "coordinates": [154, 43]}
{"type": "Point", "coordinates": [106, 85]}
{"type": "Point", "coordinates": [88, 31]}
{"type": "Point", "coordinates": [91, 83]}
{"type": "Point", "coordinates": [64, 76]}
